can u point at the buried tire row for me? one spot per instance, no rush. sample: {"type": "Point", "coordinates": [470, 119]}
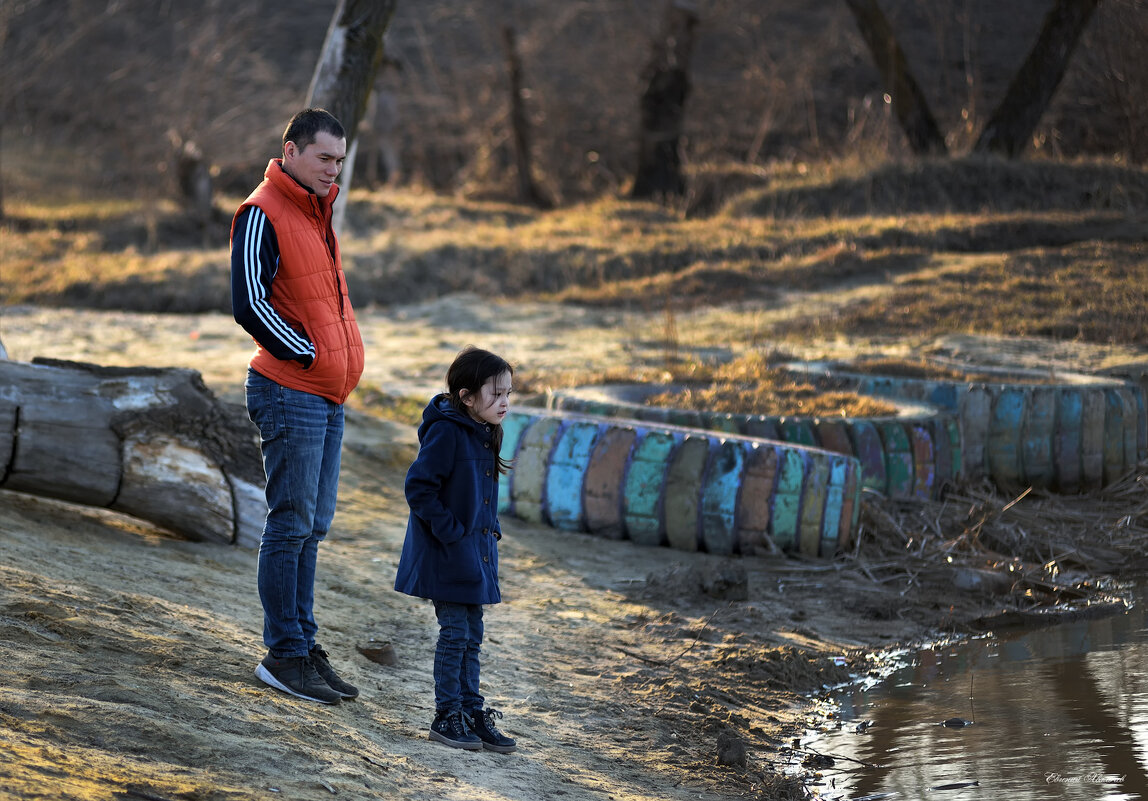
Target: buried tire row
{"type": "Point", "coordinates": [599, 460]}
{"type": "Point", "coordinates": [914, 453]}
{"type": "Point", "coordinates": [1052, 430]}
{"type": "Point", "coordinates": [685, 488]}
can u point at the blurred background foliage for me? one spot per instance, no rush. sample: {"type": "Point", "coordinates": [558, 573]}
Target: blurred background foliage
{"type": "Point", "coordinates": [110, 90]}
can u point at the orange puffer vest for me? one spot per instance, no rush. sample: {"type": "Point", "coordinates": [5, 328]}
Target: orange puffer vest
{"type": "Point", "coordinates": [309, 290]}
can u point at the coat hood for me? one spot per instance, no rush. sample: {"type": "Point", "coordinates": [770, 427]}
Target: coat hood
{"type": "Point", "coordinates": [440, 409]}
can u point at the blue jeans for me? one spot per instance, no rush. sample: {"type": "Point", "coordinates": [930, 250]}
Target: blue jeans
{"type": "Point", "coordinates": [301, 438]}
{"type": "Point", "coordinates": [456, 657]}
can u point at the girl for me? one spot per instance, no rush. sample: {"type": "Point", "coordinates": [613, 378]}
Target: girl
{"type": "Point", "coordinates": [450, 554]}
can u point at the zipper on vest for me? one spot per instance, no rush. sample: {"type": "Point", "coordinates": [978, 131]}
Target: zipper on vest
{"type": "Point", "coordinates": [329, 239]}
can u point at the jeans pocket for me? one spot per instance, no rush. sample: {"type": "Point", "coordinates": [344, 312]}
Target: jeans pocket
{"type": "Point", "coordinates": [255, 389]}
{"type": "Point", "coordinates": [262, 395]}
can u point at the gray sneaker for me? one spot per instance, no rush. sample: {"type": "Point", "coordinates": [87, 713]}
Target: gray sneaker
{"type": "Point", "coordinates": [296, 675]}
{"type": "Point", "coordinates": [323, 668]}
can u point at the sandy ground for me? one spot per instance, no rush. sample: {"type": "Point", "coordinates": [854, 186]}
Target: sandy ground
{"type": "Point", "coordinates": [624, 672]}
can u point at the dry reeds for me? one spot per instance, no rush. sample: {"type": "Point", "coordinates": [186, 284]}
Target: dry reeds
{"type": "Point", "coordinates": [1040, 548]}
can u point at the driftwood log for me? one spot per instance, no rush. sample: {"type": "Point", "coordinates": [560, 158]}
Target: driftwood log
{"type": "Point", "coordinates": [153, 443]}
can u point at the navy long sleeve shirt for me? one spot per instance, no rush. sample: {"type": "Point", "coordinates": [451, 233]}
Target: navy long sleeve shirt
{"type": "Point", "coordinates": [254, 262]}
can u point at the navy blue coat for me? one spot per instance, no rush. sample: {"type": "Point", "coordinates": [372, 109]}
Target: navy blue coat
{"type": "Point", "coordinates": [451, 548]}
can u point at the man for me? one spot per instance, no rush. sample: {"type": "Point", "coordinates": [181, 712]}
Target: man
{"type": "Point", "coordinates": [289, 292]}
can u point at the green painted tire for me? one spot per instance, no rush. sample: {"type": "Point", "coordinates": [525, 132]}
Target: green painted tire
{"type": "Point", "coordinates": [1060, 431]}
{"type": "Point", "coordinates": [913, 454]}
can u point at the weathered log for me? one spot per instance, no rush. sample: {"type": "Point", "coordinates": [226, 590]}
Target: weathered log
{"type": "Point", "coordinates": [154, 443]}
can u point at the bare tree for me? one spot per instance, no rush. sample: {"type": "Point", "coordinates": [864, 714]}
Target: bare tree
{"type": "Point", "coordinates": [345, 73]}
{"type": "Point", "coordinates": [3, 30]}
{"type": "Point", "coordinates": [528, 191]}
{"type": "Point", "coordinates": [13, 81]}
{"type": "Point", "coordinates": [1010, 127]}
{"type": "Point", "coordinates": [377, 133]}
{"type": "Point", "coordinates": [663, 106]}
{"type": "Point", "coordinates": [909, 102]}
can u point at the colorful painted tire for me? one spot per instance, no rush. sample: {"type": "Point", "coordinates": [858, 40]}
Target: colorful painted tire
{"type": "Point", "coordinates": [1137, 375]}
{"type": "Point", "coordinates": [1060, 431]}
{"type": "Point", "coordinates": [687, 488]}
{"type": "Point", "coordinates": [912, 454]}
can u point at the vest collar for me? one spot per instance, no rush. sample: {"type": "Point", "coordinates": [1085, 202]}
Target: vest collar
{"type": "Point", "coordinates": [300, 195]}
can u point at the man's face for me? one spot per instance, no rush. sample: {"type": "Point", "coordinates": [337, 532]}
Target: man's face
{"type": "Point", "coordinates": [317, 165]}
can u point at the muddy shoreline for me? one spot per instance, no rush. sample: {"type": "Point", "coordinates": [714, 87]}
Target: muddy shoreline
{"type": "Point", "coordinates": [625, 672]}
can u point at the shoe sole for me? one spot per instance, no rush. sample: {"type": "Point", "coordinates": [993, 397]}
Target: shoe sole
{"type": "Point", "coordinates": [265, 676]}
{"type": "Point", "coordinates": [500, 749]}
{"type": "Point", "coordinates": [344, 695]}
{"type": "Point", "coordinates": [462, 744]}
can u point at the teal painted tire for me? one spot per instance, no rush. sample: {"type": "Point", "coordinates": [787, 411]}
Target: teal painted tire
{"type": "Point", "coordinates": [913, 454]}
{"type": "Point", "coordinates": [1060, 431]}
{"type": "Point", "coordinates": [688, 488]}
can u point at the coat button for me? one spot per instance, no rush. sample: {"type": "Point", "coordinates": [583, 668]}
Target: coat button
{"type": "Point", "coordinates": [488, 474]}
{"type": "Point", "coordinates": [486, 558]}
{"type": "Point", "coordinates": [486, 445]}
{"type": "Point", "coordinates": [486, 531]}
{"type": "Point", "coordinates": [486, 501]}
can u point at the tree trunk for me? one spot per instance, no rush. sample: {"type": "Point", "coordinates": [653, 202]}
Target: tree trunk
{"type": "Point", "coordinates": [345, 73]}
{"type": "Point", "coordinates": [528, 191]}
{"type": "Point", "coordinates": [663, 107]}
{"type": "Point", "coordinates": [909, 103]}
{"type": "Point", "coordinates": [194, 183]}
{"type": "Point", "coordinates": [1010, 127]}
{"type": "Point", "coordinates": [151, 443]}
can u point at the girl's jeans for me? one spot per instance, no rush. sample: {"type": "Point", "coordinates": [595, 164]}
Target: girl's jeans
{"type": "Point", "coordinates": [456, 657]}
{"type": "Point", "coordinates": [302, 436]}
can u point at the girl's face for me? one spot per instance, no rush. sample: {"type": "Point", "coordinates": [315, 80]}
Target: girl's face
{"type": "Point", "coordinates": [491, 403]}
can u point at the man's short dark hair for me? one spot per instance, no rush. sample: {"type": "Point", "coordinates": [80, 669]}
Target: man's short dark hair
{"type": "Point", "coordinates": [308, 124]}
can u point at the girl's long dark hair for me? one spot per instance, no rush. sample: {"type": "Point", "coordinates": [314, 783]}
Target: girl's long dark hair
{"type": "Point", "coordinates": [469, 371]}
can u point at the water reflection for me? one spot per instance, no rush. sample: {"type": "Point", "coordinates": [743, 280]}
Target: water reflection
{"type": "Point", "coordinates": [1058, 713]}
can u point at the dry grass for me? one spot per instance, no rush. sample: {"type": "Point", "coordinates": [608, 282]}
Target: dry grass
{"type": "Point", "coordinates": [775, 399]}
{"type": "Point", "coordinates": [957, 247]}
{"type": "Point", "coordinates": [373, 400]}
{"type": "Point", "coordinates": [1093, 291]}
{"type": "Point", "coordinates": [108, 252]}
{"type": "Point", "coordinates": [750, 385]}
{"type": "Point", "coordinates": [747, 385]}
{"type": "Point", "coordinates": [963, 245]}
{"type": "Point", "coordinates": [921, 368]}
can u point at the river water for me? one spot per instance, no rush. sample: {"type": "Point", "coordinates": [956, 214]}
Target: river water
{"type": "Point", "coordinates": [1058, 713]}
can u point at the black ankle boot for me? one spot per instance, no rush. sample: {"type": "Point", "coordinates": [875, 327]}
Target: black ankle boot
{"type": "Point", "coordinates": [482, 723]}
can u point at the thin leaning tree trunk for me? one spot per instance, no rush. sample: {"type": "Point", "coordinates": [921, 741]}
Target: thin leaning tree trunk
{"type": "Point", "coordinates": [527, 189]}
{"type": "Point", "coordinates": [1011, 125]}
{"type": "Point", "coordinates": [909, 103]}
{"type": "Point", "coordinates": [345, 74]}
{"type": "Point", "coordinates": [663, 106]}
